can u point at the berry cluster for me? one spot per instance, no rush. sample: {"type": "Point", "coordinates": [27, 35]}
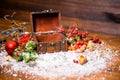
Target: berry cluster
{"type": "Point", "coordinates": [74, 32]}
{"type": "Point", "coordinates": [95, 39]}
{"type": "Point", "coordinates": [76, 39]}
{"type": "Point", "coordinates": [24, 38]}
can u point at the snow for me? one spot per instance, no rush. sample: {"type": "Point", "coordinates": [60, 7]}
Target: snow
{"type": "Point", "coordinates": [59, 64]}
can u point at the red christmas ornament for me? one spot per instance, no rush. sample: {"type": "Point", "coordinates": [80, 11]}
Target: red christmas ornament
{"type": "Point", "coordinates": [10, 46]}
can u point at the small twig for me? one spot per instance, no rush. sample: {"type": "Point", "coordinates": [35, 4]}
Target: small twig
{"type": "Point", "coordinates": [16, 23]}
{"type": "Point", "coordinates": [13, 14]}
{"type": "Point", "coordinates": [5, 17]}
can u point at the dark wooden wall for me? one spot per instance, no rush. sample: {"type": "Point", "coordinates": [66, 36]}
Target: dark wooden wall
{"type": "Point", "coordinates": [89, 14]}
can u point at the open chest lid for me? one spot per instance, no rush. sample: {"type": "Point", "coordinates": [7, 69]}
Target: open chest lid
{"type": "Point", "coordinates": [45, 21]}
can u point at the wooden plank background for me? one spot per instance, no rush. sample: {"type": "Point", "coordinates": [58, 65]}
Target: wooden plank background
{"type": "Point", "coordinates": [89, 14]}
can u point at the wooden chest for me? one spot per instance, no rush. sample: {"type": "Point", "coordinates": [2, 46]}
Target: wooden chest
{"type": "Point", "coordinates": [44, 28]}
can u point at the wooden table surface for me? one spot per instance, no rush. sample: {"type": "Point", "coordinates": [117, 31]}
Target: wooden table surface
{"type": "Point", "coordinates": [112, 74]}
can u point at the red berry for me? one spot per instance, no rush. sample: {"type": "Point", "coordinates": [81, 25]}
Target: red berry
{"type": "Point", "coordinates": [70, 31]}
{"type": "Point", "coordinates": [91, 38]}
{"type": "Point", "coordinates": [86, 33]}
{"type": "Point", "coordinates": [17, 54]}
{"type": "Point", "coordinates": [84, 36]}
{"type": "Point", "coordinates": [25, 35]}
{"type": "Point", "coordinates": [79, 34]}
{"type": "Point", "coordinates": [99, 42]}
{"type": "Point", "coordinates": [61, 29]}
{"type": "Point", "coordinates": [32, 39]}
{"type": "Point", "coordinates": [75, 32]}
{"type": "Point", "coordinates": [24, 38]}
{"type": "Point", "coordinates": [74, 25]}
{"type": "Point", "coordinates": [97, 39]}
{"type": "Point", "coordinates": [94, 41]}
{"type": "Point", "coordinates": [76, 46]}
{"type": "Point", "coordinates": [70, 35]}
{"type": "Point", "coordinates": [80, 42]}
{"type": "Point", "coordinates": [75, 61]}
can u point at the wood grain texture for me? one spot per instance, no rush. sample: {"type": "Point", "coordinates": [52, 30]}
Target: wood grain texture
{"type": "Point", "coordinates": [88, 13]}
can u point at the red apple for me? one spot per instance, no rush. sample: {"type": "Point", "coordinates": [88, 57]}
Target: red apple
{"type": "Point", "coordinates": [10, 46]}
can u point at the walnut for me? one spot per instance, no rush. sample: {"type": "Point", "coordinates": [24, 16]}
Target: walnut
{"type": "Point", "coordinates": [90, 46]}
{"type": "Point", "coordinates": [91, 49]}
{"type": "Point", "coordinates": [82, 49]}
{"type": "Point", "coordinates": [82, 60]}
{"type": "Point", "coordinates": [8, 58]}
